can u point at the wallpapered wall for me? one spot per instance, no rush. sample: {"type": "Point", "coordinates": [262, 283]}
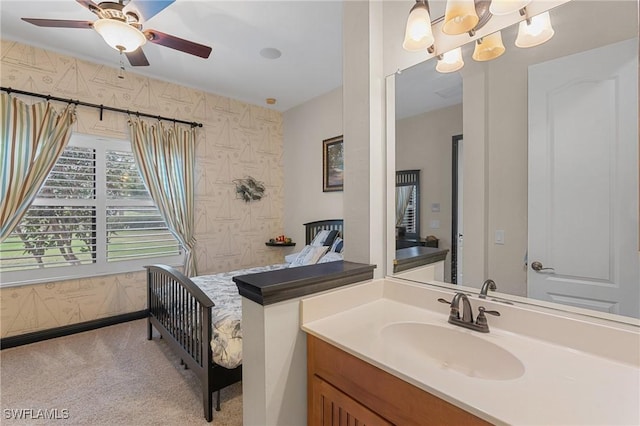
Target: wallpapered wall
{"type": "Point", "coordinates": [237, 140]}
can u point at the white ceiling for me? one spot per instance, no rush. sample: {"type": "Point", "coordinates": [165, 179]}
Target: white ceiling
{"type": "Point", "coordinates": [308, 33]}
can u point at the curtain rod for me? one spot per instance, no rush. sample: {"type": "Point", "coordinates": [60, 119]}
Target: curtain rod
{"type": "Point", "coordinates": [9, 90]}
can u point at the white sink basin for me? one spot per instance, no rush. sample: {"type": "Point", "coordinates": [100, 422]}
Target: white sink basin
{"type": "Point", "coordinates": [451, 349]}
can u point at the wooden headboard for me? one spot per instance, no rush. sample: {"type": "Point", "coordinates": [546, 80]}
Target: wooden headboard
{"type": "Point", "coordinates": [312, 228]}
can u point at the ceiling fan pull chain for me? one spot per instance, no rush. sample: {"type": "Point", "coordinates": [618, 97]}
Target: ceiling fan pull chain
{"type": "Point", "coordinates": [121, 69]}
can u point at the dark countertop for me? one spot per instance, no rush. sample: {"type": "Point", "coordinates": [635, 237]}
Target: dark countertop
{"type": "Point", "coordinates": [270, 287]}
{"type": "Point", "coordinates": [412, 257]}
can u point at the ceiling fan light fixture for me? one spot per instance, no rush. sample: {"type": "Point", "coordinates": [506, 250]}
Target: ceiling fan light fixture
{"type": "Point", "coordinates": [120, 35]}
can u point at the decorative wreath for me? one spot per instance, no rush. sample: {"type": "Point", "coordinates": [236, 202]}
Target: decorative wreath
{"type": "Point", "coordinates": [249, 189]}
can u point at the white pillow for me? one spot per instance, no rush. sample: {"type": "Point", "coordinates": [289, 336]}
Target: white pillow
{"type": "Point", "coordinates": [318, 240]}
{"type": "Point", "coordinates": [332, 256]}
{"type": "Point", "coordinates": [309, 256]}
{"type": "Point", "coordinates": [291, 257]}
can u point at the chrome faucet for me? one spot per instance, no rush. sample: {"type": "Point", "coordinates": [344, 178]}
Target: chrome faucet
{"type": "Point", "coordinates": [467, 311]}
{"type": "Point", "coordinates": [480, 324]}
{"type": "Point", "coordinates": [486, 286]}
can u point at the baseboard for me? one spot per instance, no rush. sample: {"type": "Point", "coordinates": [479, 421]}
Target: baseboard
{"type": "Point", "coordinates": [38, 336]}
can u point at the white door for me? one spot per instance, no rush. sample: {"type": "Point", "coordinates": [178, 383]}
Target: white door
{"type": "Point", "coordinates": [583, 180]}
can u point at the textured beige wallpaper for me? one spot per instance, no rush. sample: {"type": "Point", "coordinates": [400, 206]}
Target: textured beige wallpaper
{"type": "Point", "coordinates": [237, 140]}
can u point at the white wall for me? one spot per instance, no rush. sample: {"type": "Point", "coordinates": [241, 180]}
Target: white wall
{"type": "Point", "coordinates": [305, 127]}
{"type": "Point", "coordinates": [424, 142]}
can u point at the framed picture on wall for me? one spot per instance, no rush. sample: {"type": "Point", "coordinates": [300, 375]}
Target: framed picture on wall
{"type": "Point", "coordinates": [333, 164]}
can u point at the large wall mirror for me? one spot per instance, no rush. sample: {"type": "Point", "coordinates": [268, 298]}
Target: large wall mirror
{"type": "Point", "coordinates": [547, 178]}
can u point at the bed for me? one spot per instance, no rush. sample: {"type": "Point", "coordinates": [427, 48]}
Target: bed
{"type": "Point", "coordinates": [179, 306]}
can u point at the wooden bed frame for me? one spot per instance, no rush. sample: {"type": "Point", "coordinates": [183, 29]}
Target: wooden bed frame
{"type": "Point", "coordinates": [177, 308]}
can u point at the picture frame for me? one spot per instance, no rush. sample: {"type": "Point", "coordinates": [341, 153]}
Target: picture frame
{"type": "Point", "coordinates": [333, 164]}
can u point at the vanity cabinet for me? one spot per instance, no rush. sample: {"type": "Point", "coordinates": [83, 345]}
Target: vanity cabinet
{"type": "Point", "coordinates": [344, 390]}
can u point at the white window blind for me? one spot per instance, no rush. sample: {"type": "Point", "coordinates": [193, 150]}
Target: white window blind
{"type": "Point", "coordinates": [409, 219]}
{"type": "Point", "coordinates": [92, 216]}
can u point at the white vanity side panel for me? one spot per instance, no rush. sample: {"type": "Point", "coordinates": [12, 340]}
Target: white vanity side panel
{"type": "Point", "coordinates": [253, 363]}
{"type": "Point", "coordinates": [274, 367]}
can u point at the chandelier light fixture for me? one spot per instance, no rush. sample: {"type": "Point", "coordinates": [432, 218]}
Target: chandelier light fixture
{"type": "Point", "coordinates": [535, 30]}
{"type": "Point", "coordinates": [450, 61]}
{"type": "Point", "coordinates": [460, 17]}
{"type": "Point", "coordinates": [418, 33]}
{"type": "Point", "coordinates": [488, 47]}
{"type": "Point", "coordinates": [468, 16]}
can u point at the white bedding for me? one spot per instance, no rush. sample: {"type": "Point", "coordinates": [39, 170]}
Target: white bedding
{"type": "Point", "coordinates": [226, 331]}
{"type": "Point", "coordinates": [226, 341]}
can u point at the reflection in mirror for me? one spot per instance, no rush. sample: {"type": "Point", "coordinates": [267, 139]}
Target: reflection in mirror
{"type": "Point", "coordinates": [549, 164]}
{"type": "Point", "coordinates": [407, 204]}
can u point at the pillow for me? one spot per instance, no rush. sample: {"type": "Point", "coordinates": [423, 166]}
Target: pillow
{"type": "Point", "coordinates": [291, 257]}
{"type": "Point", "coordinates": [318, 240]}
{"type": "Point", "coordinates": [309, 256]}
{"type": "Point", "coordinates": [331, 256]}
{"type": "Point", "coordinates": [338, 245]}
{"type": "Point", "coordinates": [330, 238]}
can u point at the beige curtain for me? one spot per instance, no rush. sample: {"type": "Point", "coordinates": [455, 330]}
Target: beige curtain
{"type": "Point", "coordinates": [33, 138]}
{"type": "Point", "coordinates": [166, 159]}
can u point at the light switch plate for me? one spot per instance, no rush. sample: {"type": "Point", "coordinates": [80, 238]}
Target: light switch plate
{"type": "Point", "coordinates": [499, 236]}
{"type": "Point", "coordinates": [434, 224]}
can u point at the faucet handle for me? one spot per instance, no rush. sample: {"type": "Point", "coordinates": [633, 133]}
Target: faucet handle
{"type": "Point", "coordinates": [481, 321]}
{"type": "Point", "coordinates": [454, 312]}
{"type": "Point", "coordinates": [483, 310]}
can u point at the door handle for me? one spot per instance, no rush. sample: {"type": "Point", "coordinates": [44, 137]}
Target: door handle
{"type": "Point", "coordinates": [537, 266]}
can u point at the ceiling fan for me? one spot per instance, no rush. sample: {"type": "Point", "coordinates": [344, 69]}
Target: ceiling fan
{"type": "Point", "coordinates": [119, 25]}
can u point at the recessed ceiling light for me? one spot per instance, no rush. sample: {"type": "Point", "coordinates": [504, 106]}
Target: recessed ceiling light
{"type": "Point", "coordinates": [271, 101]}
{"type": "Point", "coordinates": [270, 53]}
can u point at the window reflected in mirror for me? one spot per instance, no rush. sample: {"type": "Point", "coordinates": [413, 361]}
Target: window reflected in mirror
{"type": "Point", "coordinates": [408, 204]}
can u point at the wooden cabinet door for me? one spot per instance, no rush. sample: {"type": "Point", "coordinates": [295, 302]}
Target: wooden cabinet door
{"type": "Point", "coordinates": [331, 407]}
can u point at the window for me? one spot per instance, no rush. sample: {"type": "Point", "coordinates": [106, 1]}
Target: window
{"type": "Point", "coordinates": [409, 221]}
{"type": "Point", "coordinates": [92, 216]}
{"type": "Point", "coordinates": [409, 181]}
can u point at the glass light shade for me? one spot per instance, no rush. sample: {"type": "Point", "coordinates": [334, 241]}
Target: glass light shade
{"type": "Point", "coordinates": [489, 47]}
{"type": "Point", "coordinates": [536, 32]}
{"type": "Point", "coordinates": [505, 7]}
{"type": "Point", "coordinates": [418, 35]}
{"type": "Point", "coordinates": [450, 61]}
{"type": "Point", "coordinates": [460, 17]}
{"type": "Point", "coordinates": [119, 35]}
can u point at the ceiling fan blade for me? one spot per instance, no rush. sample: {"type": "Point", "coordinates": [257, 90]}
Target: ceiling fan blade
{"type": "Point", "coordinates": [59, 23]}
{"type": "Point", "coordinates": [178, 43]}
{"type": "Point", "coordinates": [137, 58]}
{"type": "Point", "coordinates": [147, 9]}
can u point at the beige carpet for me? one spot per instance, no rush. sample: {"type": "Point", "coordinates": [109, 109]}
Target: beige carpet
{"type": "Point", "coordinates": [109, 376]}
